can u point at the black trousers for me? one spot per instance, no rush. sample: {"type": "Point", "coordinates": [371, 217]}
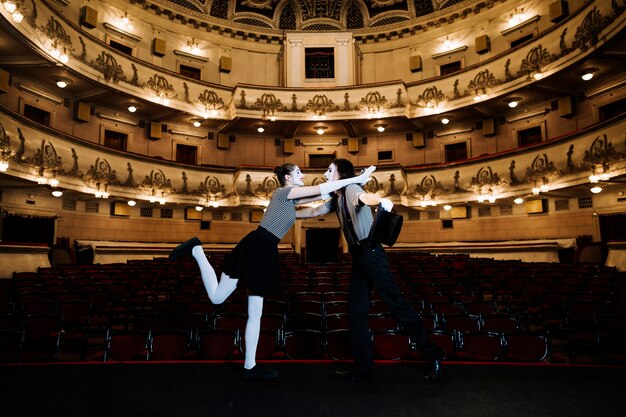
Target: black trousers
{"type": "Point", "coordinates": [370, 270]}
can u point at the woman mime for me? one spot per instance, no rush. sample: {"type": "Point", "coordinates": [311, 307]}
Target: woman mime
{"type": "Point", "coordinates": [254, 262]}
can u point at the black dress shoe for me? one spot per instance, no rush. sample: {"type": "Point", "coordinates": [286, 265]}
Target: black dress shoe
{"type": "Point", "coordinates": [260, 372]}
{"type": "Point", "coordinates": [435, 368]}
{"type": "Point", "coordinates": [184, 249]}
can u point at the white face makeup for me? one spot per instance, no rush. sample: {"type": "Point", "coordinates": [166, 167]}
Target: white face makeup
{"type": "Point", "coordinates": [297, 177]}
{"type": "Point", "coordinates": [331, 173]}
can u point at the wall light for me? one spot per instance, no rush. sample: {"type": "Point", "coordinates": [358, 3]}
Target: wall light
{"type": "Point", "coordinates": [587, 74]}
{"type": "Point", "coordinates": [57, 193]}
{"type": "Point", "coordinates": [199, 208]}
{"type": "Point", "coordinates": [133, 107]}
{"type": "Point", "coordinates": [596, 189]}
{"type": "Point", "coordinates": [380, 127]}
{"type": "Point", "coordinates": [447, 207]}
{"type": "Point", "coordinates": [131, 203]}
{"type": "Point", "coordinates": [260, 128]}
{"type": "Point", "coordinates": [444, 119]}
{"type": "Point", "coordinates": [512, 102]}
{"type": "Point", "coordinates": [518, 200]}
{"type": "Point", "coordinates": [196, 122]}
{"type": "Point", "coordinates": [63, 82]}
{"type": "Point", "coordinates": [320, 129]}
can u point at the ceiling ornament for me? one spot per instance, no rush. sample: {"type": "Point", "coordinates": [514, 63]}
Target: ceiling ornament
{"type": "Point", "coordinates": [319, 105]}
{"type": "Point", "coordinates": [430, 99]}
{"type": "Point", "coordinates": [266, 188]}
{"type": "Point", "coordinates": [108, 66]}
{"type": "Point", "coordinates": [268, 104]}
{"type": "Point", "coordinates": [161, 88]}
{"type": "Point", "coordinates": [536, 58]}
{"type": "Point", "coordinates": [60, 41]}
{"type": "Point", "coordinates": [486, 181]}
{"type": "Point", "coordinates": [374, 103]}
{"type": "Point", "coordinates": [373, 186]}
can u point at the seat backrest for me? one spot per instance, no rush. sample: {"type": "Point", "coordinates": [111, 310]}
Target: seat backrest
{"type": "Point", "coordinates": [218, 344]}
{"type": "Point", "coordinates": [391, 344]}
{"type": "Point", "coordinates": [524, 346]}
{"type": "Point", "coordinates": [303, 344]}
{"type": "Point", "coordinates": [481, 346]}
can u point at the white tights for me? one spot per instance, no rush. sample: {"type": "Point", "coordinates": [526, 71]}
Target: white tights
{"type": "Point", "coordinates": [219, 291]}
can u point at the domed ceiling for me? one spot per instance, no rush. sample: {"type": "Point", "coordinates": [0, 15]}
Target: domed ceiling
{"type": "Point", "coordinates": [314, 15]}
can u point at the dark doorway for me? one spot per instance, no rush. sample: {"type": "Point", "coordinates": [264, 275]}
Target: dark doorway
{"type": "Point", "coordinates": [25, 229]}
{"type": "Point", "coordinates": [320, 161]}
{"type": "Point", "coordinates": [322, 245]}
{"type": "Point", "coordinates": [612, 227]}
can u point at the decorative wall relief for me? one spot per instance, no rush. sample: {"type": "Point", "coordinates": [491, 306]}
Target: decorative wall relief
{"type": "Point", "coordinates": [266, 188]}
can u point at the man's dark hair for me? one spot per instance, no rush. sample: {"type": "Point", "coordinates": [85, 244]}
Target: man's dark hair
{"type": "Point", "coordinates": [344, 168]}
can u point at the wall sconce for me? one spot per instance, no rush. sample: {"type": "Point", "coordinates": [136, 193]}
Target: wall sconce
{"type": "Point", "coordinates": [447, 207]}
{"type": "Point", "coordinates": [125, 23]}
{"type": "Point", "coordinates": [260, 128]}
{"type": "Point", "coordinates": [196, 122]}
{"type": "Point", "coordinates": [320, 129]}
{"type": "Point", "coordinates": [62, 82]}
{"type": "Point", "coordinates": [131, 203]}
{"type": "Point", "coordinates": [380, 127]}
{"type": "Point", "coordinates": [587, 74]}
{"type": "Point", "coordinates": [14, 8]}
{"type": "Point", "coordinates": [518, 16]}
{"type": "Point", "coordinates": [132, 107]}
{"type": "Point", "coordinates": [512, 102]}
{"type": "Point", "coordinates": [199, 208]}
{"type": "Point", "coordinates": [518, 200]}
{"type": "Point", "coordinates": [57, 193]}
{"type": "Point", "coordinates": [444, 119]}
{"type": "Point", "coordinates": [193, 47]}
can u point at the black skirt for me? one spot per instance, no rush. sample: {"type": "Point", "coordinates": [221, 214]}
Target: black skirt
{"type": "Point", "coordinates": [254, 262]}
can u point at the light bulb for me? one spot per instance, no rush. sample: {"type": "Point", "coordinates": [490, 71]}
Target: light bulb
{"type": "Point", "coordinates": [10, 7]}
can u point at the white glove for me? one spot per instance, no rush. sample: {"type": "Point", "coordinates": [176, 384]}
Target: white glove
{"type": "Point", "coordinates": [386, 204]}
{"type": "Point", "coordinates": [364, 177]}
{"type": "Point", "coordinates": [330, 186]}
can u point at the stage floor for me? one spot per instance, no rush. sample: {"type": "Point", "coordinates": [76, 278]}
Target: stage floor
{"type": "Point", "coordinates": [194, 389]}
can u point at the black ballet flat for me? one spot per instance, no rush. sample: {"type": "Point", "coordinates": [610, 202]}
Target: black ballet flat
{"type": "Point", "coordinates": [184, 249]}
{"type": "Point", "coordinates": [260, 372]}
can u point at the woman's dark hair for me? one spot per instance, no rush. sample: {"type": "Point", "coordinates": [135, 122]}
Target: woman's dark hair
{"type": "Point", "coordinates": [283, 170]}
{"type": "Point", "coordinates": [344, 168]}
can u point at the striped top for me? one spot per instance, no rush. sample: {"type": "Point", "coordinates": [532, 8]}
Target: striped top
{"type": "Point", "coordinates": [361, 214]}
{"type": "Point", "coordinates": [280, 214]}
